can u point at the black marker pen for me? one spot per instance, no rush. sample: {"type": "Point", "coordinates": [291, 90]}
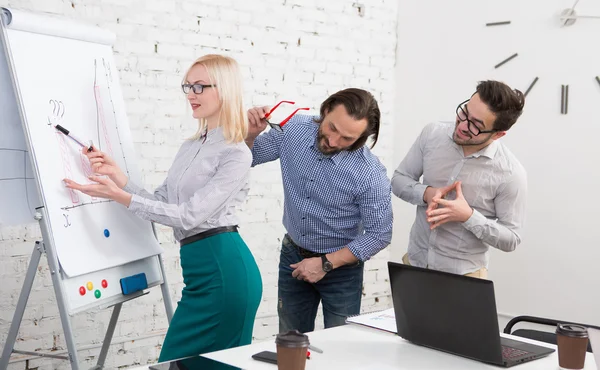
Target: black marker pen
{"type": "Point", "coordinates": [75, 139]}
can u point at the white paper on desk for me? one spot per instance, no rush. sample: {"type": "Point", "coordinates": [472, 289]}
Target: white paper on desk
{"type": "Point", "coordinates": [594, 335]}
{"type": "Point", "coordinates": [378, 366]}
{"type": "Point", "coordinates": [383, 320]}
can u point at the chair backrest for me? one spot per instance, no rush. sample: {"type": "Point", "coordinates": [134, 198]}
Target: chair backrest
{"type": "Point", "coordinates": [595, 342]}
{"type": "Point", "coordinates": [543, 336]}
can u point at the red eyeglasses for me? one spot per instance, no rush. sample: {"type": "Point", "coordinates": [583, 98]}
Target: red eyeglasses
{"type": "Point", "coordinates": [279, 127]}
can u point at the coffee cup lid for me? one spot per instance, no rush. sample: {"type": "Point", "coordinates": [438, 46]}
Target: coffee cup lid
{"type": "Point", "coordinates": [292, 338]}
{"type": "Point", "coordinates": [572, 330]}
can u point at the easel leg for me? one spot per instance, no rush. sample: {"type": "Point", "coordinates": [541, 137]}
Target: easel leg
{"type": "Point", "coordinates": [165, 292]}
{"type": "Point", "coordinates": [108, 337]}
{"type": "Point", "coordinates": [62, 307]}
{"type": "Point", "coordinates": [21, 304]}
{"type": "Point", "coordinates": [164, 286]}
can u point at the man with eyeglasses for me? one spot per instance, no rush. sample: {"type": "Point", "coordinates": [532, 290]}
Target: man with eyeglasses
{"type": "Point", "coordinates": [337, 208]}
{"type": "Point", "coordinates": [473, 190]}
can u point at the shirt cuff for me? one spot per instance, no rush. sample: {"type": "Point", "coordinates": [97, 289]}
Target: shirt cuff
{"type": "Point", "coordinates": [363, 248]}
{"type": "Point", "coordinates": [418, 194]}
{"type": "Point", "coordinates": [137, 203]}
{"type": "Point", "coordinates": [355, 248]}
{"type": "Point", "coordinates": [475, 223]}
{"type": "Point", "coordinates": [131, 188]}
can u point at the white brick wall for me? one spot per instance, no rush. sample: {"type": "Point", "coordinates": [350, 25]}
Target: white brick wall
{"type": "Point", "coordinates": [289, 49]}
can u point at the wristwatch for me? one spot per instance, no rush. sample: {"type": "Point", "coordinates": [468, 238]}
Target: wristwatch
{"type": "Point", "coordinates": [327, 266]}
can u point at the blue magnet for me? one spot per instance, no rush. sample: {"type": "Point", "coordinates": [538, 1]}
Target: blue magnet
{"type": "Point", "coordinates": [106, 233]}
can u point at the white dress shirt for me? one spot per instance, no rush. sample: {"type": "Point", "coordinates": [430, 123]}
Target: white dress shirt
{"type": "Point", "coordinates": [494, 183]}
{"type": "Point", "coordinates": [206, 182]}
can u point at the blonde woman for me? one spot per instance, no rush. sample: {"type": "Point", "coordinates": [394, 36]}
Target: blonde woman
{"type": "Point", "coordinates": [208, 179]}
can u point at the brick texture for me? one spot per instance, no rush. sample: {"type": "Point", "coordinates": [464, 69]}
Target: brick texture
{"type": "Point", "coordinates": [300, 50]}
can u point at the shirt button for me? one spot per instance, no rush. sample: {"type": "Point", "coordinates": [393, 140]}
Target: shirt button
{"type": "Point", "coordinates": [304, 218]}
{"type": "Point", "coordinates": [311, 180]}
{"type": "Point", "coordinates": [307, 197]}
{"type": "Point", "coordinates": [303, 235]}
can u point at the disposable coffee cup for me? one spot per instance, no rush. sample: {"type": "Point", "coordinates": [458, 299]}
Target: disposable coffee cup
{"type": "Point", "coordinates": [572, 341]}
{"type": "Point", "coordinates": [291, 350]}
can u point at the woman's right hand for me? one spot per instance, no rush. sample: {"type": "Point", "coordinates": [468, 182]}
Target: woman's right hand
{"type": "Point", "coordinates": [103, 164]}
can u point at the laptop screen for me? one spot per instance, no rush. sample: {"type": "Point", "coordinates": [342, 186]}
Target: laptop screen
{"type": "Point", "coordinates": [448, 312]}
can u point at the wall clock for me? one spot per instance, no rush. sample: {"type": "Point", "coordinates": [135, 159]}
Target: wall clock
{"type": "Point", "coordinates": [566, 18]}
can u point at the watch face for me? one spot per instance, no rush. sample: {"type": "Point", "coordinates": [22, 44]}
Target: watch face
{"type": "Point", "coordinates": [327, 266]}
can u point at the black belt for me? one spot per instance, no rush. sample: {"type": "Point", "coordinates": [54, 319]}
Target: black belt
{"type": "Point", "coordinates": [208, 233]}
{"type": "Point", "coordinates": [305, 253]}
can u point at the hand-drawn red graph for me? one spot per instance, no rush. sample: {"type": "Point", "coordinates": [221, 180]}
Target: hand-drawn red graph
{"type": "Point", "coordinates": [103, 93]}
{"type": "Point", "coordinates": [66, 161]}
{"type": "Point", "coordinates": [100, 118]}
{"type": "Point", "coordinates": [106, 118]}
{"type": "Point", "coordinates": [55, 117]}
{"type": "Point", "coordinates": [86, 166]}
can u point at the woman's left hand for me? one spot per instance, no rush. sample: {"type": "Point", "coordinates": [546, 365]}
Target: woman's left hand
{"type": "Point", "coordinates": [104, 188]}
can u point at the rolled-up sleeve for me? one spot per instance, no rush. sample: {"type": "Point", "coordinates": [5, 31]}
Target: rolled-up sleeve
{"type": "Point", "coordinates": [230, 178]}
{"type": "Point", "coordinates": [375, 205]}
{"type": "Point", "coordinates": [504, 231]}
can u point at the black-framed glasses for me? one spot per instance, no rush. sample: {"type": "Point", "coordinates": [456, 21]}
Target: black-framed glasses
{"type": "Point", "coordinates": [463, 115]}
{"type": "Point", "coordinates": [196, 88]}
{"type": "Point", "coordinates": [279, 126]}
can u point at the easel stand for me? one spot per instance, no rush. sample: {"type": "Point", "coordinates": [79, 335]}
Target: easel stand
{"type": "Point", "coordinates": [53, 264]}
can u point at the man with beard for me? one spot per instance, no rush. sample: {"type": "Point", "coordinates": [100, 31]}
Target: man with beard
{"type": "Point", "coordinates": [474, 189]}
{"type": "Point", "coordinates": [337, 205]}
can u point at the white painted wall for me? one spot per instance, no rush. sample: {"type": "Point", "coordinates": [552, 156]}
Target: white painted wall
{"type": "Point", "coordinates": [444, 48]}
{"type": "Point", "coordinates": [289, 49]}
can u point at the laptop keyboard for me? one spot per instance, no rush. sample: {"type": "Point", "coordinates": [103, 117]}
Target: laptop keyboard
{"type": "Point", "coordinates": [509, 352]}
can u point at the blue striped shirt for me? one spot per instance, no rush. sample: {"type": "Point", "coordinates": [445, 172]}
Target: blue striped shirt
{"type": "Point", "coordinates": [330, 201]}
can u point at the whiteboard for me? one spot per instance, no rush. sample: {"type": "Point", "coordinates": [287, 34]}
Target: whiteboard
{"type": "Point", "coordinates": [64, 73]}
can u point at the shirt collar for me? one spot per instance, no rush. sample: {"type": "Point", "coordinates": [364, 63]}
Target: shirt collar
{"type": "Point", "coordinates": [213, 136]}
{"type": "Point", "coordinates": [489, 151]}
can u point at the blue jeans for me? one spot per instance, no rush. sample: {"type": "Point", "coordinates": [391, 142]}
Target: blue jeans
{"type": "Point", "coordinates": [340, 290]}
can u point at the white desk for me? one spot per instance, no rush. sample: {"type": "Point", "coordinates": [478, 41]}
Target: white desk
{"type": "Point", "coordinates": [360, 348]}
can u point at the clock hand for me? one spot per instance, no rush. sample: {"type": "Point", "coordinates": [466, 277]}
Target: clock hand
{"type": "Point", "coordinates": [570, 12]}
{"type": "Point", "coordinates": [579, 16]}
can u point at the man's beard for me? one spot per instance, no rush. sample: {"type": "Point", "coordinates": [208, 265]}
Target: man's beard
{"type": "Point", "coordinates": [323, 146]}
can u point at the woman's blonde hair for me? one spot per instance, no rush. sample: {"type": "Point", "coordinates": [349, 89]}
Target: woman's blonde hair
{"type": "Point", "coordinates": [224, 72]}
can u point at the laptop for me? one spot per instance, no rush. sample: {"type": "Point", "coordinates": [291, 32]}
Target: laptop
{"type": "Point", "coordinates": [455, 314]}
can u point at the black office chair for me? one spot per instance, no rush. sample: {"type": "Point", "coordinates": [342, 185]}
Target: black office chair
{"type": "Point", "coordinates": [542, 336]}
